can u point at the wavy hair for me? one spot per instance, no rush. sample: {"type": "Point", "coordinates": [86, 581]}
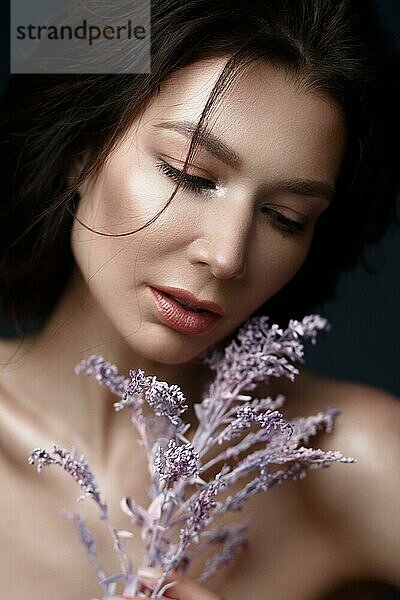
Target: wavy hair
{"type": "Point", "coordinates": [49, 123]}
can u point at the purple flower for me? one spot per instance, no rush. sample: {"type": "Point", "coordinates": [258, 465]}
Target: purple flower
{"type": "Point", "coordinates": [166, 400]}
{"type": "Point", "coordinates": [305, 427]}
{"type": "Point", "coordinates": [131, 397]}
{"type": "Point", "coordinates": [201, 506]}
{"type": "Point", "coordinates": [199, 511]}
{"type": "Point", "coordinates": [104, 372]}
{"type": "Point", "coordinates": [183, 504]}
{"type": "Point", "coordinates": [76, 467]}
{"type": "Point", "coordinates": [246, 416]}
{"type": "Point", "coordinates": [231, 538]}
{"type": "Point", "coordinates": [259, 351]}
{"type": "Point", "coordinates": [138, 383]}
{"type": "Point", "coordinates": [308, 327]}
{"type": "Point", "coordinates": [176, 462]}
{"type": "Point", "coordinates": [259, 484]}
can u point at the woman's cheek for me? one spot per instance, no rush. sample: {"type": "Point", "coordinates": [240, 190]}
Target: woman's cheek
{"type": "Point", "coordinates": [278, 264]}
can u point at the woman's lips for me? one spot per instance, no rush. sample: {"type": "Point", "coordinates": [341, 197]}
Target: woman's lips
{"type": "Point", "coordinates": [180, 318]}
{"type": "Point", "coordinates": [187, 298]}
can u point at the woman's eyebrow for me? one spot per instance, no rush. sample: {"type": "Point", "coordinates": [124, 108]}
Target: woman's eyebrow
{"type": "Point", "coordinates": [218, 149]}
{"type": "Point", "coordinates": [306, 187]}
{"type": "Point", "coordinates": [206, 139]}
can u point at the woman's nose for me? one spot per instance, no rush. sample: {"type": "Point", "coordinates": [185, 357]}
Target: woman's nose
{"type": "Point", "coordinates": [223, 244]}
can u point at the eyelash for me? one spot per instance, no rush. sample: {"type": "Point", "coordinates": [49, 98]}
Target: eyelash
{"type": "Point", "coordinates": [200, 185]}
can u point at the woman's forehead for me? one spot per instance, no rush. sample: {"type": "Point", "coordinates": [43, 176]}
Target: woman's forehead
{"type": "Point", "coordinates": [264, 122]}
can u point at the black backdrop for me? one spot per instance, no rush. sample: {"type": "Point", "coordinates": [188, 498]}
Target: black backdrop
{"type": "Point", "coordinates": [364, 342]}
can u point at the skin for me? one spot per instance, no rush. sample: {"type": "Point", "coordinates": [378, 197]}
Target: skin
{"type": "Point", "coordinates": [107, 308]}
{"type": "Point", "coordinates": [281, 131]}
{"type": "Point", "coordinates": [184, 587]}
{"type": "Point", "coordinates": [184, 247]}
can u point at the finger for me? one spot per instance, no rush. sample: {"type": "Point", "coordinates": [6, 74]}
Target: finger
{"type": "Point", "coordinates": [122, 598]}
{"type": "Point", "coordinates": [119, 598]}
{"type": "Point", "coordinates": [126, 598]}
{"type": "Point", "coordinates": [140, 597]}
{"type": "Point", "coordinates": [184, 588]}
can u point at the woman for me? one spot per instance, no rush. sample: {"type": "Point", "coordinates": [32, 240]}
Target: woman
{"type": "Point", "coordinates": [291, 171]}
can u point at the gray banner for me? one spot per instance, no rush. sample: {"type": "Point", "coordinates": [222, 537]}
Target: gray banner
{"type": "Point", "coordinates": [87, 36]}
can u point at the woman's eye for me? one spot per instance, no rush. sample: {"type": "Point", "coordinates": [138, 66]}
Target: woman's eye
{"type": "Point", "coordinates": [189, 182]}
{"type": "Point", "coordinates": [202, 185]}
{"type": "Point", "coordinates": [282, 222]}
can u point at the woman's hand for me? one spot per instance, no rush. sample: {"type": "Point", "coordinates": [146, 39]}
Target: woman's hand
{"type": "Point", "coordinates": [185, 587]}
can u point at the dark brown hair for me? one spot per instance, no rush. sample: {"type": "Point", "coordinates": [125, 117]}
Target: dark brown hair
{"type": "Point", "coordinates": [51, 122]}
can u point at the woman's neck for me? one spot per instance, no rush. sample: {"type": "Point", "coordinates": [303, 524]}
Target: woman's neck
{"type": "Point", "coordinates": [38, 372]}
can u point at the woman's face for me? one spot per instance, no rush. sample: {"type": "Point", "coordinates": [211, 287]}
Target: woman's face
{"type": "Point", "coordinates": [237, 233]}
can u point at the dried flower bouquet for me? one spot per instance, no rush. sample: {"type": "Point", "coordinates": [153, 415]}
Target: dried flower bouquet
{"type": "Point", "coordinates": [185, 498]}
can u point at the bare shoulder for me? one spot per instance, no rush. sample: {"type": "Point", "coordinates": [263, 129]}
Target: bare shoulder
{"type": "Point", "coordinates": [368, 422]}
{"type": "Point", "coordinates": [360, 502]}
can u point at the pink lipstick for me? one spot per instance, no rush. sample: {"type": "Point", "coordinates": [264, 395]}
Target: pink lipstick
{"type": "Point", "coordinates": [183, 312]}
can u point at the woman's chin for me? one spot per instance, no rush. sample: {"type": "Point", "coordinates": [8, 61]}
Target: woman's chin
{"type": "Point", "coordinates": [161, 345]}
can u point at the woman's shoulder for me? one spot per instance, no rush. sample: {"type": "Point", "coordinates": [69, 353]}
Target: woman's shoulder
{"type": "Point", "coordinates": [359, 501]}
{"type": "Point", "coordinates": [368, 417]}
{"type": "Point", "coordinates": [362, 409]}
{"type": "Point", "coordinates": [309, 390]}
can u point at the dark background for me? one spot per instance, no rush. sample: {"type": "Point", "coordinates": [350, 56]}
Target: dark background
{"type": "Point", "coordinates": [364, 342]}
